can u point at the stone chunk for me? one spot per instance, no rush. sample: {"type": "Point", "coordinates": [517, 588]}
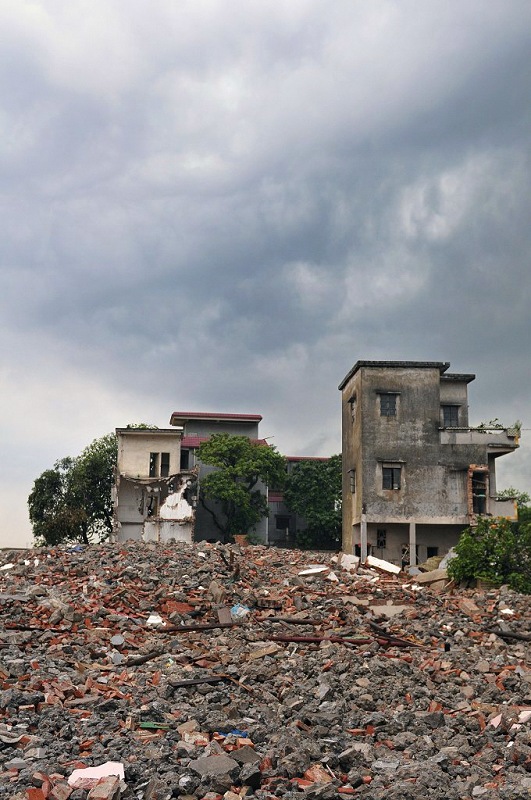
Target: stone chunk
{"type": "Point", "coordinates": [215, 766]}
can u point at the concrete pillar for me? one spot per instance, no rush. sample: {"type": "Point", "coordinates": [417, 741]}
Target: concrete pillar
{"type": "Point", "coordinates": [412, 544]}
{"type": "Point", "coordinates": [363, 538]}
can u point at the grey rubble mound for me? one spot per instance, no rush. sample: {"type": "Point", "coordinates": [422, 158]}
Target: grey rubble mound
{"type": "Point", "coordinates": [277, 705]}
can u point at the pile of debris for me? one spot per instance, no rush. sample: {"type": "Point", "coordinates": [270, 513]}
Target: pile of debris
{"type": "Point", "coordinates": [210, 671]}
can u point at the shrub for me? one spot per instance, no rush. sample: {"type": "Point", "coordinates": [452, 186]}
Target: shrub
{"type": "Point", "coordinates": [496, 550]}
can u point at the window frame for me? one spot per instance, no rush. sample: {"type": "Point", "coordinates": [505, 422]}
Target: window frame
{"type": "Point", "coordinates": [389, 474]}
{"type": "Point", "coordinates": [450, 414]}
{"type": "Point", "coordinates": [388, 404]}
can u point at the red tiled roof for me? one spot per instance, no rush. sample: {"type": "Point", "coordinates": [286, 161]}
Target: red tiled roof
{"type": "Point", "coordinates": [307, 458]}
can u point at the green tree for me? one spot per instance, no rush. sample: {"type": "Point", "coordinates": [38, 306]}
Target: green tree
{"type": "Point", "coordinates": [496, 549]}
{"type": "Point", "coordinates": [231, 494]}
{"type": "Point", "coordinates": [313, 490]}
{"type": "Point", "coordinates": [72, 501]}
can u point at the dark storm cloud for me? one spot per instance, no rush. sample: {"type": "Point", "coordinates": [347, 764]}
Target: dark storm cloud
{"type": "Point", "coordinates": [232, 202]}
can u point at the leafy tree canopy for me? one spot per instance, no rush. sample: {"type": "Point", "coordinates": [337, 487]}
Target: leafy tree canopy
{"type": "Point", "coordinates": [231, 494]}
{"type": "Point", "coordinates": [313, 491]}
{"type": "Point", "coordinates": [72, 501]}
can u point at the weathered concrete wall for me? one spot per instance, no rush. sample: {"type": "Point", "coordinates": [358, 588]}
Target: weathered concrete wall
{"type": "Point", "coordinates": [155, 510]}
{"type": "Point", "coordinates": [208, 427]}
{"type": "Point", "coordinates": [134, 447]}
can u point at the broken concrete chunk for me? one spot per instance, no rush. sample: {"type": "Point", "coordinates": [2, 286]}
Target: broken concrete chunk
{"type": "Point", "coordinates": [379, 563]}
{"type": "Point", "coordinates": [426, 578]}
{"type": "Point", "coordinates": [215, 766]}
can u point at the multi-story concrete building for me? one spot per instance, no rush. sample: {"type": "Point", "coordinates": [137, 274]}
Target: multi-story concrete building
{"type": "Point", "coordinates": [414, 473]}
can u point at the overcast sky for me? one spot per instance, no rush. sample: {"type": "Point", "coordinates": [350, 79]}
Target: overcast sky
{"type": "Point", "coordinates": [222, 205]}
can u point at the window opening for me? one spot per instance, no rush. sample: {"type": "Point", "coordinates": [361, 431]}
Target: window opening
{"type": "Point", "coordinates": [388, 405]}
{"type": "Point", "coordinates": [479, 492]}
{"type": "Point", "coordinates": [153, 465]}
{"type": "Point", "coordinates": [431, 552]}
{"type": "Point", "coordinates": [164, 465]}
{"type": "Point", "coordinates": [185, 459]}
{"type": "Point", "coordinates": [282, 522]}
{"type": "Point", "coordinates": [352, 479]}
{"type": "Point", "coordinates": [450, 416]}
{"type": "Point", "coordinates": [391, 477]}
{"type": "Point", "coordinates": [381, 538]}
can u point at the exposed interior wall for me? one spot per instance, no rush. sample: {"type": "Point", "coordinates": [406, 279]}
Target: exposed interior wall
{"type": "Point", "coordinates": [135, 446]}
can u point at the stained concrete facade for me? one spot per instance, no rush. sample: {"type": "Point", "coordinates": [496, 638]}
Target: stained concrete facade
{"type": "Point", "coordinates": [414, 473]}
{"type": "Point", "coordinates": [154, 500]}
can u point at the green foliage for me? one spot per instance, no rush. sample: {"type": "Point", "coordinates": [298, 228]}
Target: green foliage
{"type": "Point", "coordinates": [72, 501]}
{"type": "Point", "coordinates": [230, 494]}
{"type": "Point", "coordinates": [497, 550]}
{"type": "Point", "coordinates": [313, 491]}
{"type": "Point", "coordinates": [522, 498]}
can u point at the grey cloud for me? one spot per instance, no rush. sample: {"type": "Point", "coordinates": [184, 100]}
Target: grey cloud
{"type": "Point", "coordinates": [259, 195]}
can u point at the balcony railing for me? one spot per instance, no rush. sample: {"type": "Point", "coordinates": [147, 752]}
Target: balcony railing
{"type": "Point", "coordinates": [504, 438]}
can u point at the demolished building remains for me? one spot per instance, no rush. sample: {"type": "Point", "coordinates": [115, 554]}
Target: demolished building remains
{"type": "Point", "coordinates": [208, 672]}
{"type": "Point", "coordinates": [154, 499]}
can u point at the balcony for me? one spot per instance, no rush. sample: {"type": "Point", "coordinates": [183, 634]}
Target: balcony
{"type": "Point", "coordinates": [503, 508]}
{"type": "Point", "coordinates": [504, 440]}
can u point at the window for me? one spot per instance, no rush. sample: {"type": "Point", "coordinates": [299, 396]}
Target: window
{"type": "Point", "coordinates": [153, 465]}
{"type": "Point", "coordinates": [450, 416]}
{"type": "Point", "coordinates": [381, 538]}
{"type": "Point", "coordinates": [282, 522]}
{"type": "Point", "coordinates": [352, 479]}
{"type": "Point", "coordinates": [159, 465]}
{"type": "Point", "coordinates": [391, 477]}
{"type": "Point", "coordinates": [388, 404]}
{"type": "Point", "coordinates": [164, 465]}
{"type": "Point", "coordinates": [352, 402]}
{"type": "Point", "coordinates": [431, 552]}
{"type": "Point", "coordinates": [185, 459]}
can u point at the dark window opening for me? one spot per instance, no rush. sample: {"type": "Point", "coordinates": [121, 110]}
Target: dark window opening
{"type": "Point", "coordinates": [381, 538]}
{"type": "Point", "coordinates": [352, 402]}
{"type": "Point", "coordinates": [391, 477]}
{"type": "Point", "coordinates": [450, 416]}
{"type": "Point", "coordinates": [164, 465]}
{"type": "Point", "coordinates": [388, 405]}
{"type": "Point", "coordinates": [282, 522]}
{"type": "Point", "coordinates": [153, 465]}
{"type": "Point", "coordinates": [152, 506]}
{"type": "Point", "coordinates": [431, 552]}
{"type": "Point", "coordinates": [479, 492]}
{"type": "Point", "coordinates": [352, 479]}
{"type": "Point", "coordinates": [185, 459]}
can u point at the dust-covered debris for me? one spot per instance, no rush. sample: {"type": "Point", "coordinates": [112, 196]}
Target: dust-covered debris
{"type": "Point", "coordinates": [204, 671]}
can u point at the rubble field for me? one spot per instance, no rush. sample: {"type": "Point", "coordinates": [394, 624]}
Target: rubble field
{"type": "Point", "coordinates": [218, 672]}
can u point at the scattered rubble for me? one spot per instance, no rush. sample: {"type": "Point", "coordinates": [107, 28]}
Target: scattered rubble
{"type": "Point", "coordinates": [170, 670]}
